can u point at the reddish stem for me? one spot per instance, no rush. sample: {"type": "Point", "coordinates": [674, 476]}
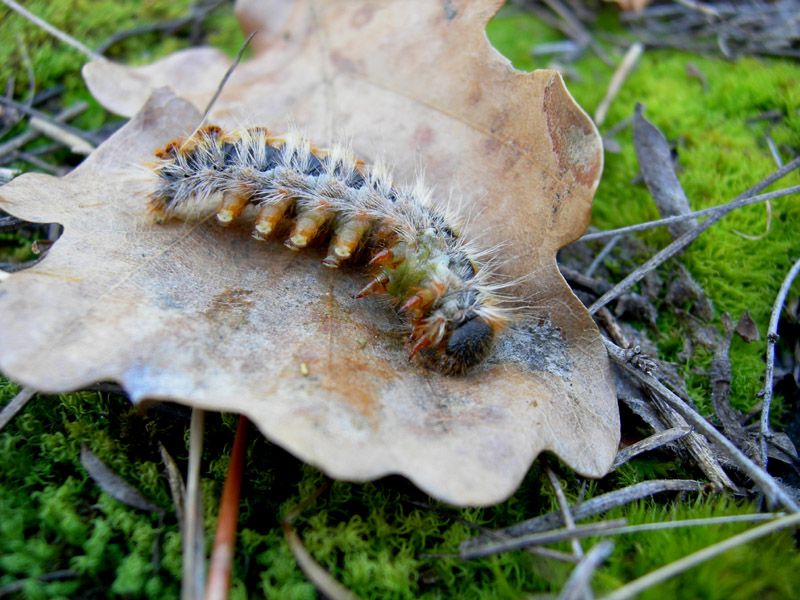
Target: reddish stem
{"type": "Point", "coordinates": [219, 572]}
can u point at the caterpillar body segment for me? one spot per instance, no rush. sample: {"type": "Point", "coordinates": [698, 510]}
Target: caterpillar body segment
{"type": "Point", "coordinates": [416, 254]}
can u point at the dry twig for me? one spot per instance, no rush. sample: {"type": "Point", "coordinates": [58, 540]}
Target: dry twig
{"type": "Point", "coordinates": [637, 586]}
{"type": "Point", "coordinates": [546, 537]}
{"type": "Point", "coordinates": [591, 508]}
{"type": "Point", "coordinates": [742, 201]}
{"type": "Point", "coordinates": [64, 131]}
{"type": "Point", "coordinates": [614, 527]}
{"type": "Point", "coordinates": [687, 238]}
{"type": "Point", "coordinates": [772, 338]}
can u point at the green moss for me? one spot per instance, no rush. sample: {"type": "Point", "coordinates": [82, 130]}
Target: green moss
{"type": "Point", "coordinates": [92, 22]}
{"type": "Point", "coordinates": [368, 536]}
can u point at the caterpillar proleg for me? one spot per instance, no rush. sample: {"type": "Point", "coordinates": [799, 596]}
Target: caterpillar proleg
{"type": "Point", "coordinates": [433, 277]}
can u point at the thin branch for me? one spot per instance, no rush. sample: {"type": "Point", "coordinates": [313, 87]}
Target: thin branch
{"type": "Point", "coordinates": [26, 59]}
{"type": "Point", "coordinates": [613, 527]}
{"type": "Point", "coordinates": [67, 39]}
{"type": "Point", "coordinates": [687, 238]}
{"type": "Point", "coordinates": [747, 201]}
{"type": "Point", "coordinates": [546, 537]}
{"type": "Point", "coordinates": [578, 30]}
{"type": "Point", "coordinates": [38, 163]}
{"type": "Point", "coordinates": [45, 117]}
{"type": "Point", "coordinates": [545, 552]}
{"type": "Point", "coordinates": [637, 586]}
{"type": "Point", "coordinates": [774, 493]}
{"type": "Point", "coordinates": [592, 507]}
{"type": "Point", "coordinates": [198, 11]}
{"type": "Point", "coordinates": [708, 11]}
{"type": "Point", "coordinates": [696, 444]}
{"type": "Point", "coordinates": [772, 338]}
{"type": "Point", "coordinates": [578, 583]}
{"type": "Point", "coordinates": [221, 85]}
{"type": "Point", "coordinates": [19, 585]}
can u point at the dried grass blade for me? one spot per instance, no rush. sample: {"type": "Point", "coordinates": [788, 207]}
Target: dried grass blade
{"type": "Point", "coordinates": [704, 522]}
{"type": "Point", "coordinates": [327, 586]}
{"type": "Point", "coordinates": [650, 443]}
{"type": "Point", "coordinates": [563, 505]}
{"type": "Point", "coordinates": [322, 580]}
{"type": "Point", "coordinates": [114, 485]}
{"type": "Point", "coordinates": [194, 576]}
{"type": "Point", "coordinates": [177, 488]}
{"type": "Point", "coordinates": [617, 79]}
{"type": "Point", "coordinates": [19, 401]}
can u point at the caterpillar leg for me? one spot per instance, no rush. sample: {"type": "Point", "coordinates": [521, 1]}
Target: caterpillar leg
{"type": "Point", "coordinates": [233, 204]}
{"type": "Point", "coordinates": [270, 215]}
{"type": "Point", "coordinates": [375, 286]}
{"type": "Point", "coordinates": [346, 239]}
{"type": "Point", "coordinates": [306, 227]}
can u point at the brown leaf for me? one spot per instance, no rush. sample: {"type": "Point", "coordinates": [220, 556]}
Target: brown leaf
{"type": "Point", "coordinates": [746, 328]}
{"type": "Point", "coordinates": [209, 318]}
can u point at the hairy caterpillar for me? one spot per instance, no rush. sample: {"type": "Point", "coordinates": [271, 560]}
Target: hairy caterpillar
{"type": "Point", "coordinates": [434, 277]}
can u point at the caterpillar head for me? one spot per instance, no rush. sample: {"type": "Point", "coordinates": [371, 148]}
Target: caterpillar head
{"type": "Point", "coordinates": [457, 335]}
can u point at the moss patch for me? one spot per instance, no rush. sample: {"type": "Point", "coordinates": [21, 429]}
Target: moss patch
{"type": "Point", "coordinates": [371, 539]}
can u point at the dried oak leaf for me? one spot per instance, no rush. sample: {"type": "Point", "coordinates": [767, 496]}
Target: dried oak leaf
{"type": "Point", "coordinates": [209, 318]}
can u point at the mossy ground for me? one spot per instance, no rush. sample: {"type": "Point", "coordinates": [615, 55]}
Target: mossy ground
{"type": "Point", "coordinates": [52, 516]}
